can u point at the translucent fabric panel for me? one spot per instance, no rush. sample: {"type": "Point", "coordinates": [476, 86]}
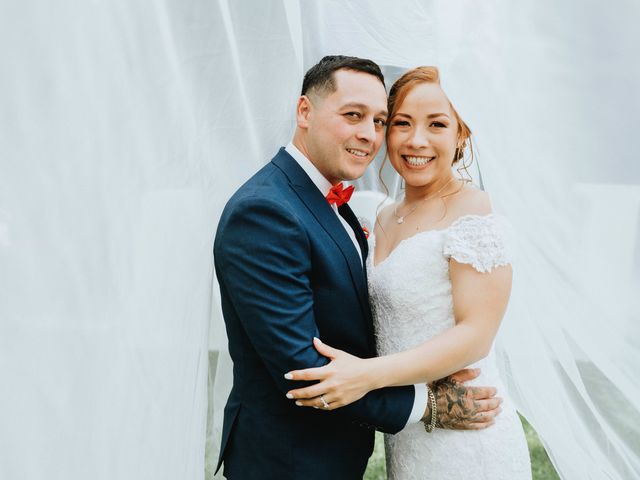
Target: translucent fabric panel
{"type": "Point", "coordinates": [107, 214]}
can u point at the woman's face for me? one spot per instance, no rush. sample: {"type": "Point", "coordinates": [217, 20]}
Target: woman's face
{"type": "Point", "coordinates": [422, 136]}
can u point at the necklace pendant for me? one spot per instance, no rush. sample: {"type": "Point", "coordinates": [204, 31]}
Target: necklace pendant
{"type": "Point", "coordinates": [400, 220]}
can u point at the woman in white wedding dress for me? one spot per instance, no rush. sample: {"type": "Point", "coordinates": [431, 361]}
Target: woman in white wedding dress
{"type": "Point", "coordinates": [439, 282]}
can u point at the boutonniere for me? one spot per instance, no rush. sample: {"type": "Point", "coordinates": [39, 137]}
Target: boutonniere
{"type": "Point", "coordinates": [364, 223]}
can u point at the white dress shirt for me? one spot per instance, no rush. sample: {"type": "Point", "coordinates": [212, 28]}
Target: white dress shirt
{"type": "Point", "coordinates": [323, 185]}
{"type": "Point", "coordinates": [420, 399]}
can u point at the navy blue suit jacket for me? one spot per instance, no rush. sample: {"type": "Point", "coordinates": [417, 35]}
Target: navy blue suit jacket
{"type": "Point", "coordinates": [288, 271]}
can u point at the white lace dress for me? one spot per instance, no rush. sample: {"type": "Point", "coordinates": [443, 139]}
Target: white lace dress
{"type": "Point", "coordinates": [411, 299]}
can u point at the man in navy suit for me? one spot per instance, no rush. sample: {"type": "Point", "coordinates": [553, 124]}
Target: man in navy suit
{"type": "Point", "coordinates": [291, 267]}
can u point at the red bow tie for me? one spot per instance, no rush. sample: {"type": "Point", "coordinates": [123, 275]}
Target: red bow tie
{"type": "Point", "coordinates": [338, 195]}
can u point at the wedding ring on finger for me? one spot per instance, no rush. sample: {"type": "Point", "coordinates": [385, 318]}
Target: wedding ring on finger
{"type": "Point", "coordinates": [325, 405]}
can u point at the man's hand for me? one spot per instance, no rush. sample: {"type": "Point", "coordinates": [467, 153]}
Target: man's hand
{"type": "Point", "coordinates": [461, 407]}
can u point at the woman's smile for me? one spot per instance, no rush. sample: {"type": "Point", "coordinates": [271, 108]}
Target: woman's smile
{"type": "Point", "coordinates": [417, 162]}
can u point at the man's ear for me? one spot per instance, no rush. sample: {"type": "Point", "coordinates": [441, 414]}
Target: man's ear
{"type": "Point", "coordinates": [303, 111]}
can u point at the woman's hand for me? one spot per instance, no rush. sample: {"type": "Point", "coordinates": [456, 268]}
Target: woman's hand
{"type": "Point", "coordinates": [342, 381]}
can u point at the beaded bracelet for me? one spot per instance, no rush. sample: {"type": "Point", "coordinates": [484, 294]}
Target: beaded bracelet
{"type": "Point", "coordinates": [434, 412]}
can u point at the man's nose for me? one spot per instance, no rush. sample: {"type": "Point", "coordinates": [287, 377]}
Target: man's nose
{"type": "Point", "coordinates": [367, 132]}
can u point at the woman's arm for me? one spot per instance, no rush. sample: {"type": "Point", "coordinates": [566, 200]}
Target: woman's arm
{"type": "Point", "coordinates": [479, 300]}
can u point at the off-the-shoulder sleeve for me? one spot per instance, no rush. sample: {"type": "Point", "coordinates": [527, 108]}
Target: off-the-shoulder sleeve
{"type": "Point", "coordinates": [478, 240]}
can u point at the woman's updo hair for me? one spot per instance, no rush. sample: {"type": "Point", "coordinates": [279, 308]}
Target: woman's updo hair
{"type": "Point", "coordinates": [406, 83]}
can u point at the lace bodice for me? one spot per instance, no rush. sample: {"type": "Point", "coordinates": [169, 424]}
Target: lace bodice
{"type": "Point", "coordinates": [411, 298]}
{"type": "Point", "coordinates": [410, 289]}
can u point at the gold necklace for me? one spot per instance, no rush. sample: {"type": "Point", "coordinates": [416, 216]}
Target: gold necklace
{"type": "Point", "coordinates": [400, 218]}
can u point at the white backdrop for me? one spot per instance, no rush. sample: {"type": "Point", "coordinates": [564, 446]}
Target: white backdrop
{"type": "Point", "coordinates": [125, 126]}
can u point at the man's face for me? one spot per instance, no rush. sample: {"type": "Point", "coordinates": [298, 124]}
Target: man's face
{"type": "Point", "coordinates": [344, 130]}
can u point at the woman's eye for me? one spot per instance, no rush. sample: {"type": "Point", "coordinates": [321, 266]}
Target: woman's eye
{"type": "Point", "coordinates": [400, 123]}
{"type": "Point", "coordinates": [438, 125]}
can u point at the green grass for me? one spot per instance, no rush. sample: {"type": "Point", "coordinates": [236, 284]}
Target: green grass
{"type": "Point", "coordinates": [541, 466]}
{"type": "Point", "coordinates": [376, 469]}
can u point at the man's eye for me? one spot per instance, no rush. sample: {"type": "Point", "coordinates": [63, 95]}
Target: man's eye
{"type": "Point", "coordinates": [353, 115]}
{"type": "Point", "coordinates": [380, 122]}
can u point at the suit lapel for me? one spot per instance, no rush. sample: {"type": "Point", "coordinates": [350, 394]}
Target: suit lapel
{"type": "Point", "coordinates": [352, 220]}
{"type": "Point", "coordinates": [326, 217]}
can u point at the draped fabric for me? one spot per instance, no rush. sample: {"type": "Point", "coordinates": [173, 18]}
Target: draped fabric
{"type": "Point", "coordinates": [125, 126]}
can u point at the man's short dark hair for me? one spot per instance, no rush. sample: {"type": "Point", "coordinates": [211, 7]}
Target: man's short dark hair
{"type": "Point", "coordinates": [319, 78]}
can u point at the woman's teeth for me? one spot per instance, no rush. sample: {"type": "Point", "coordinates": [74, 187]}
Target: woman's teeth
{"type": "Point", "coordinates": [418, 161]}
{"type": "Point", "coordinates": [357, 153]}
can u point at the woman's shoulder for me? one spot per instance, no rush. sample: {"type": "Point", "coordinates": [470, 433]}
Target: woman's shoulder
{"type": "Point", "coordinates": [477, 236]}
{"type": "Point", "coordinates": [472, 209]}
{"type": "Point", "coordinates": [470, 201]}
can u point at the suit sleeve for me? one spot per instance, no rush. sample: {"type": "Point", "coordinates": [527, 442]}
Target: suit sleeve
{"type": "Point", "coordinates": [263, 259]}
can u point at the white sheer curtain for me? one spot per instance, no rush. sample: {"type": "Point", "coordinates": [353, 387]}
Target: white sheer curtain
{"type": "Point", "coordinates": [125, 126]}
{"type": "Point", "coordinates": [107, 214]}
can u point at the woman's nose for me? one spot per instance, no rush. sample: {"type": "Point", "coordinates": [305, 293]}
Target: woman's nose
{"type": "Point", "coordinates": [419, 138]}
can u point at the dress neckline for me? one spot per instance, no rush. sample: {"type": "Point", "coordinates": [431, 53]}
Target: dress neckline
{"type": "Point", "coordinates": [433, 230]}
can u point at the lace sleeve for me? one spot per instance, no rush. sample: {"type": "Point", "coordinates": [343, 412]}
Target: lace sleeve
{"type": "Point", "coordinates": [478, 240]}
